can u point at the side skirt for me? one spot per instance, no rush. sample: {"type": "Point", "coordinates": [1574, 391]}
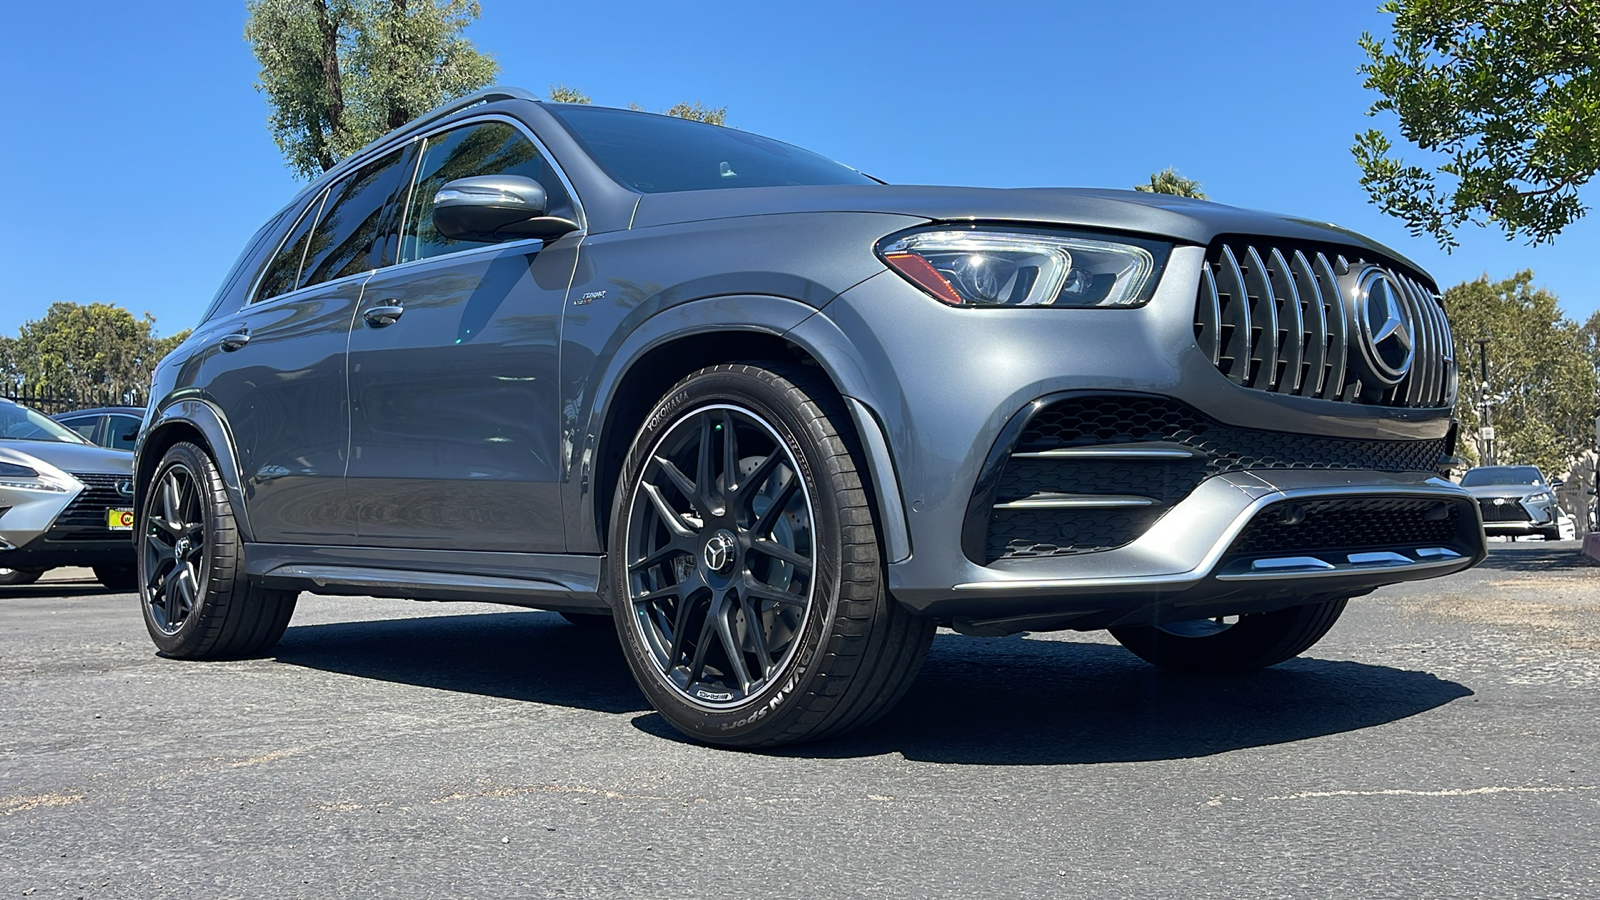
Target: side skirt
{"type": "Point", "coordinates": [554, 581]}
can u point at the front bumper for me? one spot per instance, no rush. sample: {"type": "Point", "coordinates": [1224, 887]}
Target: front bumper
{"type": "Point", "coordinates": [41, 529]}
{"type": "Point", "coordinates": [943, 384]}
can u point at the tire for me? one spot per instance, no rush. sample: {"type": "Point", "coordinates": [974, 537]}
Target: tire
{"type": "Point", "coordinates": [830, 656]}
{"type": "Point", "coordinates": [19, 576]}
{"type": "Point", "coordinates": [588, 621]}
{"type": "Point", "coordinates": [1551, 534]}
{"type": "Point", "coordinates": [118, 578]}
{"type": "Point", "coordinates": [1255, 641]}
{"type": "Point", "coordinates": [197, 602]}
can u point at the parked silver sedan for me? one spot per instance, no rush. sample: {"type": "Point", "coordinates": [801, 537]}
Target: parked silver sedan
{"type": "Point", "coordinates": [63, 502]}
{"type": "Point", "coordinates": [1515, 500]}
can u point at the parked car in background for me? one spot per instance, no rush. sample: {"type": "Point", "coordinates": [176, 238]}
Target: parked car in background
{"type": "Point", "coordinates": [116, 427]}
{"type": "Point", "coordinates": [780, 420]}
{"type": "Point", "coordinates": [63, 501]}
{"type": "Point", "coordinates": [1515, 501]}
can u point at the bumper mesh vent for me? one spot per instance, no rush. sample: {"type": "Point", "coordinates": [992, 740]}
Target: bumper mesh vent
{"type": "Point", "coordinates": [1353, 524]}
{"type": "Point", "coordinates": [1510, 511]}
{"type": "Point", "coordinates": [1282, 317]}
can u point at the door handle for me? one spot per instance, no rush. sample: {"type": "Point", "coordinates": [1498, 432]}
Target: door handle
{"type": "Point", "coordinates": [383, 315]}
{"type": "Point", "coordinates": [232, 342]}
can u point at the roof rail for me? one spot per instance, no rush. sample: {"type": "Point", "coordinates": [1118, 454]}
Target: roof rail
{"type": "Point", "coordinates": [487, 95]}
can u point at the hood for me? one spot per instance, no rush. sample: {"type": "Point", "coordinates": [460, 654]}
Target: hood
{"type": "Point", "coordinates": [1160, 215]}
{"type": "Point", "coordinates": [70, 458]}
{"type": "Point", "coordinates": [1516, 491]}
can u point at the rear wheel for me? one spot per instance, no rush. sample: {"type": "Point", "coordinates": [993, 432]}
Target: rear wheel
{"type": "Point", "coordinates": [747, 586]}
{"type": "Point", "coordinates": [19, 576]}
{"type": "Point", "coordinates": [1233, 643]}
{"type": "Point", "coordinates": [197, 602]}
{"type": "Point", "coordinates": [117, 578]}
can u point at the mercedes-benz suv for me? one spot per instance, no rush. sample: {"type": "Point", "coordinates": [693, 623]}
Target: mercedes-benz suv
{"type": "Point", "coordinates": [777, 421]}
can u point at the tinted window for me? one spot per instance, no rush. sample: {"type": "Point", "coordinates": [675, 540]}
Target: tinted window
{"type": "Point", "coordinates": [493, 148]}
{"type": "Point", "coordinates": [83, 425]}
{"type": "Point", "coordinates": [284, 271]}
{"type": "Point", "coordinates": [349, 230]}
{"type": "Point", "coordinates": [19, 423]}
{"type": "Point", "coordinates": [660, 154]}
{"type": "Point", "coordinates": [121, 431]}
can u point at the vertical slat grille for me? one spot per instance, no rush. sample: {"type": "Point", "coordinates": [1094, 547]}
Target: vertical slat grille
{"type": "Point", "coordinates": [1281, 317]}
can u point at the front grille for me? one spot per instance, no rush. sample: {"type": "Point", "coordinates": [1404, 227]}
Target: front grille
{"type": "Point", "coordinates": [1282, 316]}
{"type": "Point", "coordinates": [84, 519]}
{"type": "Point", "coordinates": [1195, 447]}
{"type": "Point", "coordinates": [1509, 511]}
{"type": "Point", "coordinates": [1353, 524]}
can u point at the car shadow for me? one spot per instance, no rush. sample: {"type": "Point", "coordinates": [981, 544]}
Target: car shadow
{"type": "Point", "coordinates": [988, 701]}
{"type": "Point", "coordinates": [1530, 557]}
{"type": "Point", "coordinates": [56, 589]}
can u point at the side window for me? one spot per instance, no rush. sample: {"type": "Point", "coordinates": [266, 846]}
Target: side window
{"type": "Point", "coordinates": [121, 431]}
{"type": "Point", "coordinates": [492, 148]}
{"type": "Point", "coordinates": [351, 226]}
{"type": "Point", "coordinates": [83, 425]}
{"type": "Point", "coordinates": [283, 273]}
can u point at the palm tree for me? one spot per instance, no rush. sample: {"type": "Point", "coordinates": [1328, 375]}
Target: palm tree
{"type": "Point", "coordinates": [1168, 181]}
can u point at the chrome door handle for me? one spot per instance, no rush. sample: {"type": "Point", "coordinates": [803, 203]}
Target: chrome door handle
{"type": "Point", "coordinates": [383, 316]}
{"type": "Point", "coordinates": [232, 342]}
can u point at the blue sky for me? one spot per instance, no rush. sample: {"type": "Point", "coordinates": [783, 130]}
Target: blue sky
{"type": "Point", "coordinates": [139, 161]}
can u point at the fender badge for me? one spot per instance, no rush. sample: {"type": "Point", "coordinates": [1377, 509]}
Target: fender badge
{"type": "Point", "coordinates": [588, 298]}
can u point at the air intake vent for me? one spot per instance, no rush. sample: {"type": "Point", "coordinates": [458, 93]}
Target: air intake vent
{"type": "Point", "coordinates": [1313, 322]}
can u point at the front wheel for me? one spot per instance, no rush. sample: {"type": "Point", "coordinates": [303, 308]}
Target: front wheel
{"type": "Point", "coordinates": [197, 602]}
{"type": "Point", "coordinates": [1234, 643]}
{"type": "Point", "coordinates": [19, 576]}
{"type": "Point", "coordinates": [744, 570]}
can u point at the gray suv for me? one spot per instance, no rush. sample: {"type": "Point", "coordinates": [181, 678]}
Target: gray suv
{"type": "Point", "coordinates": [777, 420]}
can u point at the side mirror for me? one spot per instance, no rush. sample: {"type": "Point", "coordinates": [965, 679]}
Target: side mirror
{"type": "Point", "coordinates": [1555, 483]}
{"type": "Point", "coordinates": [496, 208]}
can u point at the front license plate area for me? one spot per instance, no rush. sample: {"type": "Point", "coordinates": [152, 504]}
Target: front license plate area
{"type": "Point", "coordinates": [119, 519]}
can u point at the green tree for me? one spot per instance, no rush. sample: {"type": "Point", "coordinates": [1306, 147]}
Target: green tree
{"type": "Point", "coordinates": [1539, 362]}
{"type": "Point", "coordinates": [1168, 181]}
{"type": "Point", "coordinates": [95, 353]}
{"type": "Point", "coordinates": [1507, 92]}
{"type": "Point", "coordinates": [340, 73]}
{"type": "Point", "coordinates": [699, 112]}
{"type": "Point", "coordinates": [560, 93]}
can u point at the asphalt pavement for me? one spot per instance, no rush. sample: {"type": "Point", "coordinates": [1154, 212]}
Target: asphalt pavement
{"type": "Point", "coordinates": [1440, 742]}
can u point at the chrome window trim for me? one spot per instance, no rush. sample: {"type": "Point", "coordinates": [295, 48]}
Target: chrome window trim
{"type": "Point", "coordinates": [295, 294]}
{"type": "Point", "coordinates": [422, 137]}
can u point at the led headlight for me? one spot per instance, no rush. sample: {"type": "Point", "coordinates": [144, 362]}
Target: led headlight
{"type": "Point", "coordinates": [12, 470]}
{"type": "Point", "coordinates": [975, 267]}
{"type": "Point", "coordinates": [1541, 497]}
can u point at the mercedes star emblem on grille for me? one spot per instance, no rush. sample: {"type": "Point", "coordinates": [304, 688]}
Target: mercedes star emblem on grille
{"type": "Point", "coordinates": [1384, 321]}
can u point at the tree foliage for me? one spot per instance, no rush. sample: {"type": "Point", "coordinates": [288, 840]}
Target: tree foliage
{"type": "Point", "coordinates": [97, 353]}
{"type": "Point", "coordinates": [1168, 181]}
{"type": "Point", "coordinates": [697, 111]}
{"type": "Point", "coordinates": [1539, 361]}
{"type": "Point", "coordinates": [340, 73]}
{"type": "Point", "coordinates": [560, 93]}
{"type": "Point", "coordinates": [1508, 92]}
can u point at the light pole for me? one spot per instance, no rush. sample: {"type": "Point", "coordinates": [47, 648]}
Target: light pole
{"type": "Point", "coordinates": [1486, 405]}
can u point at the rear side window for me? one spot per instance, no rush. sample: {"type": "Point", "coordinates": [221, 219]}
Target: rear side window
{"type": "Point", "coordinates": [350, 229]}
{"type": "Point", "coordinates": [284, 271]}
{"type": "Point", "coordinates": [83, 425]}
{"type": "Point", "coordinates": [490, 148]}
{"type": "Point", "coordinates": [121, 432]}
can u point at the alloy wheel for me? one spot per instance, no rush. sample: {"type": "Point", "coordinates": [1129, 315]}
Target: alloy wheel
{"type": "Point", "coordinates": [172, 567]}
{"type": "Point", "coordinates": [721, 555]}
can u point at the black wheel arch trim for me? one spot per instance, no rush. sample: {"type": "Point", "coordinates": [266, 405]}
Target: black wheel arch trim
{"type": "Point", "coordinates": [206, 419]}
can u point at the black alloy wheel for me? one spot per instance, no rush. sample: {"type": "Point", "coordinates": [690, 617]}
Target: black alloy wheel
{"type": "Point", "coordinates": [174, 564]}
{"type": "Point", "coordinates": [721, 555]}
{"type": "Point", "coordinates": [197, 601]}
{"type": "Point", "coordinates": [744, 572]}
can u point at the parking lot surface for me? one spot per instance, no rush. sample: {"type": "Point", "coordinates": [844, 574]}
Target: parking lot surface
{"type": "Point", "coordinates": [1441, 742]}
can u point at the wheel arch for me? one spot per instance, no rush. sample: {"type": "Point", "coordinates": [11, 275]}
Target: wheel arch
{"type": "Point", "coordinates": [202, 424]}
{"type": "Point", "coordinates": [667, 354]}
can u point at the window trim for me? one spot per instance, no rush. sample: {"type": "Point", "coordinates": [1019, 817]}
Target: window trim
{"type": "Point", "coordinates": [383, 211]}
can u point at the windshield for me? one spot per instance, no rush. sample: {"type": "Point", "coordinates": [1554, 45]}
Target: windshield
{"type": "Point", "coordinates": [662, 154]}
{"type": "Point", "coordinates": [1502, 475]}
{"type": "Point", "coordinates": [19, 423]}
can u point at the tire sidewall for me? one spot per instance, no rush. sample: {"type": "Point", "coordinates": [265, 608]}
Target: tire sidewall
{"type": "Point", "coordinates": [770, 709]}
{"type": "Point", "coordinates": [191, 632]}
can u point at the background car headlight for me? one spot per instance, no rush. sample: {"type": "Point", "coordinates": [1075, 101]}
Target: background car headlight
{"type": "Point", "coordinates": [1541, 497]}
{"type": "Point", "coordinates": [975, 267]}
{"type": "Point", "coordinates": [12, 470]}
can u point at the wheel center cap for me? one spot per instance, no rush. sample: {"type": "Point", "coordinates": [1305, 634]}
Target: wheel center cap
{"type": "Point", "coordinates": [181, 548]}
{"type": "Point", "coordinates": [718, 555]}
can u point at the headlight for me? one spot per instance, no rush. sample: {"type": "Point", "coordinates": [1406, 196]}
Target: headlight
{"type": "Point", "coordinates": [12, 470]}
{"type": "Point", "coordinates": [1541, 497]}
{"type": "Point", "coordinates": [974, 267]}
{"type": "Point", "coordinates": [25, 478]}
